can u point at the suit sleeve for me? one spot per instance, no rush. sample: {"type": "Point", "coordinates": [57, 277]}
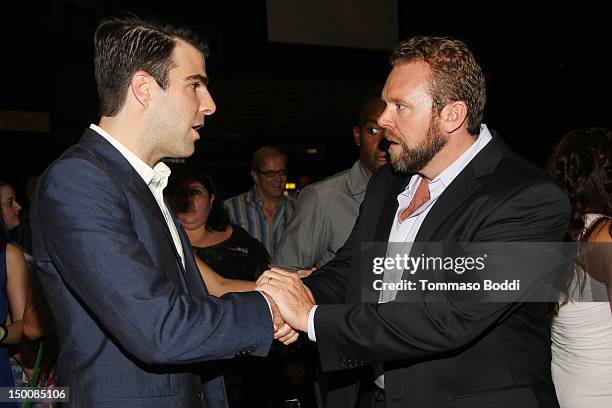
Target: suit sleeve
{"type": "Point", "coordinates": [371, 332]}
{"type": "Point", "coordinates": [89, 234]}
{"type": "Point", "coordinates": [306, 237]}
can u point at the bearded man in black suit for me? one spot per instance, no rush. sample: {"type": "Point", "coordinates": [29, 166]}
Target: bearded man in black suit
{"type": "Point", "coordinates": [450, 181]}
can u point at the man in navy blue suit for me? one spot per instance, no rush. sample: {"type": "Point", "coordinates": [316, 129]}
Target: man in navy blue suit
{"type": "Point", "coordinates": [135, 322]}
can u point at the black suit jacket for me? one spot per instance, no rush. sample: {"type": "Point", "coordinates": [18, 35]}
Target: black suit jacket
{"type": "Point", "coordinates": [447, 354]}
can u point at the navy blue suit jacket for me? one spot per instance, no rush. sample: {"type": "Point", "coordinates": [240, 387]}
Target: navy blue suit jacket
{"type": "Point", "coordinates": [134, 325]}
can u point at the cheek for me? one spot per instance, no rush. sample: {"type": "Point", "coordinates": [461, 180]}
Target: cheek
{"type": "Point", "coordinates": [201, 203]}
{"type": "Point", "coordinates": [197, 203]}
{"type": "Point", "coordinates": [194, 101]}
{"type": "Point", "coordinates": [199, 213]}
{"type": "Point", "coordinates": [373, 142]}
{"type": "Point", "coordinates": [275, 183]}
{"type": "Point", "coordinates": [183, 107]}
{"type": "Point", "coordinates": [413, 126]}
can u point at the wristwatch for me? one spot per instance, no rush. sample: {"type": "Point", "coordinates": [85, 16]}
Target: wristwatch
{"type": "Point", "coordinates": [3, 332]}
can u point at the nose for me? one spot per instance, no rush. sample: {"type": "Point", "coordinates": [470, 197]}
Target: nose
{"type": "Point", "coordinates": [383, 120]}
{"type": "Point", "coordinates": [17, 206]}
{"type": "Point", "coordinates": [207, 104]}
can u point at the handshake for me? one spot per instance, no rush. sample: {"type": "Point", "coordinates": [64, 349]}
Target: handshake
{"type": "Point", "coordinates": [290, 300]}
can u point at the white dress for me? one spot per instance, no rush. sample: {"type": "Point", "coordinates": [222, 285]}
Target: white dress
{"type": "Point", "coordinates": [582, 346]}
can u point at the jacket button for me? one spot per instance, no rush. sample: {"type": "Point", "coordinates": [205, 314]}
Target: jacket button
{"type": "Point", "coordinates": [200, 396]}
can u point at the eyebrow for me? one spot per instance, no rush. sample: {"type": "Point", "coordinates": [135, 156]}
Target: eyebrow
{"type": "Point", "coordinates": [197, 77]}
{"type": "Point", "coordinates": [393, 99]}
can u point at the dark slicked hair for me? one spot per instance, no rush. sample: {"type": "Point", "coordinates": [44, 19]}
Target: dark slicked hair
{"type": "Point", "coordinates": [456, 76]}
{"type": "Point", "coordinates": [126, 45]}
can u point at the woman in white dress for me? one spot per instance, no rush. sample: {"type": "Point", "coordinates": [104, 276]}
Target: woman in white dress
{"type": "Point", "coordinates": [582, 331]}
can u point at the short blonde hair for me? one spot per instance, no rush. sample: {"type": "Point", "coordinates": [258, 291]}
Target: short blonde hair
{"type": "Point", "coordinates": [456, 76]}
{"type": "Point", "coordinates": [264, 152]}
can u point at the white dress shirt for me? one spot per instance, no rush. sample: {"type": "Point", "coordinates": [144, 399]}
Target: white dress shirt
{"type": "Point", "coordinates": [156, 179]}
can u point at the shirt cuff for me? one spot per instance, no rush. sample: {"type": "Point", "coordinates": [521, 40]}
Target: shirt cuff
{"type": "Point", "coordinates": [311, 329]}
{"type": "Point", "coordinates": [268, 303]}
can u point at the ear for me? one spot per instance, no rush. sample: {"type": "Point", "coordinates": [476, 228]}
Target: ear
{"type": "Point", "coordinates": [357, 135]}
{"type": "Point", "coordinates": [255, 176]}
{"type": "Point", "coordinates": [453, 116]}
{"type": "Point", "coordinates": [141, 87]}
{"type": "Point", "coordinates": [212, 199]}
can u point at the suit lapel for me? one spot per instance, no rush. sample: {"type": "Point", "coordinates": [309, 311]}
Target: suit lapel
{"type": "Point", "coordinates": [387, 215]}
{"type": "Point", "coordinates": [383, 216]}
{"type": "Point", "coordinates": [123, 171]}
{"type": "Point", "coordinates": [462, 188]}
{"type": "Point", "coordinates": [128, 177]}
{"type": "Point", "coordinates": [191, 273]}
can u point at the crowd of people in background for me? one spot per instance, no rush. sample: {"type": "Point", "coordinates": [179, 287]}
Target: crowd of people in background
{"type": "Point", "coordinates": [235, 240]}
{"type": "Point", "coordinates": [27, 349]}
{"type": "Point", "coordinates": [309, 232]}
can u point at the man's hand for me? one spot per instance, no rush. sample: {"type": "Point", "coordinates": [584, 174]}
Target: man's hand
{"type": "Point", "coordinates": [282, 331]}
{"type": "Point", "coordinates": [304, 273]}
{"type": "Point", "coordinates": [291, 296]}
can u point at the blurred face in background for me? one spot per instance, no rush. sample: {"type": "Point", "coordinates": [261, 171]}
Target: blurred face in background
{"type": "Point", "coordinates": [10, 206]}
{"type": "Point", "coordinates": [271, 178]}
{"type": "Point", "coordinates": [368, 136]}
{"type": "Point", "coordinates": [194, 206]}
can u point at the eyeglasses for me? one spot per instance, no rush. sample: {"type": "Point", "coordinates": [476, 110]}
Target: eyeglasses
{"type": "Point", "coordinates": [273, 173]}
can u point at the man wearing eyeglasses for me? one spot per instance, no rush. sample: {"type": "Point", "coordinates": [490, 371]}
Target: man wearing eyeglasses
{"type": "Point", "coordinates": [264, 210]}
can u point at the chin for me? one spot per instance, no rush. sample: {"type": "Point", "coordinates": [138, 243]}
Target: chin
{"type": "Point", "coordinates": [381, 161]}
{"type": "Point", "coordinates": [186, 152]}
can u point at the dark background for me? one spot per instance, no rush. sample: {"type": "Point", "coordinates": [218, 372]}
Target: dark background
{"type": "Point", "coordinates": [547, 69]}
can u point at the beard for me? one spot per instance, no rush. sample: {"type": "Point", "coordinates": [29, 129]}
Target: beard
{"type": "Point", "coordinates": [412, 160]}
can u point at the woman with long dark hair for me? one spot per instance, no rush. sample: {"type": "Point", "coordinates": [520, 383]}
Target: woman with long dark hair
{"type": "Point", "coordinates": [582, 330]}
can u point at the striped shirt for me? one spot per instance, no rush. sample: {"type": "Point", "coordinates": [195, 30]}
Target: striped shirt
{"type": "Point", "coordinates": [247, 210]}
